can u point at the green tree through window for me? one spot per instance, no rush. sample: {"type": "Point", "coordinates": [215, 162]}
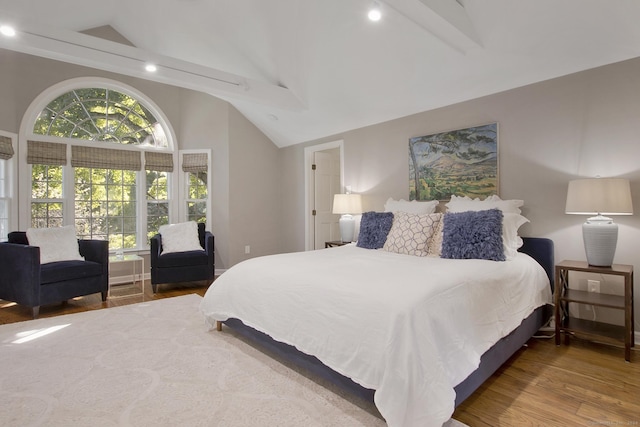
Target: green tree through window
{"type": "Point", "coordinates": [105, 206]}
{"type": "Point", "coordinates": [157, 201]}
{"type": "Point", "coordinates": [46, 195]}
{"type": "Point", "coordinates": [197, 197]}
{"type": "Point", "coordinates": [98, 114]}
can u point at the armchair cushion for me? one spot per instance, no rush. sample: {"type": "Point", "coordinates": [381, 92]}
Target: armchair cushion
{"type": "Point", "coordinates": [68, 270]}
{"type": "Point", "coordinates": [183, 259]}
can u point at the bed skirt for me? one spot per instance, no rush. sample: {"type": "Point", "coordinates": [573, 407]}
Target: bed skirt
{"type": "Point", "coordinates": [490, 361]}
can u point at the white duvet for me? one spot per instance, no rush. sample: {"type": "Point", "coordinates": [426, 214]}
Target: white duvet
{"type": "Point", "coordinates": [409, 327]}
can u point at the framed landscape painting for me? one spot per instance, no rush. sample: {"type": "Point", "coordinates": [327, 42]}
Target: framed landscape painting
{"type": "Point", "coordinates": [460, 162]}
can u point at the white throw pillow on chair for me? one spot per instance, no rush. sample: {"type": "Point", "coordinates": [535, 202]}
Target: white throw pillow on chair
{"type": "Point", "coordinates": [56, 244]}
{"type": "Point", "coordinates": [180, 237]}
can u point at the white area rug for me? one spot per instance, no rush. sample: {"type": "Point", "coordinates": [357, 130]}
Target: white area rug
{"type": "Point", "coordinates": [156, 364]}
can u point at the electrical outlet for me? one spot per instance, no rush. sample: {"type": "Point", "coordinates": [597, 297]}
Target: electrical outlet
{"type": "Point", "coordinates": [247, 249]}
{"type": "Point", "coordinates": [593, 286]}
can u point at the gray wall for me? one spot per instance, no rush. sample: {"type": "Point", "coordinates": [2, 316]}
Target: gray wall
{"type": "Point", "coordinates": [254, 200]}
{"type": "Point", "coordinates": [245, 162]}
{"type": "Point", "coordinates": [581, 125]}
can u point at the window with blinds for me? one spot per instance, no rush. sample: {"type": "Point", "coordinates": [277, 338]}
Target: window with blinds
{"type": "Point", "coordinates": [102, 160]}
{"type": "Point", "coordinates": [196, 167]}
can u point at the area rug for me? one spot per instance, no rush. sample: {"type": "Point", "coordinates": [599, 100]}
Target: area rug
{"type": "Point", "coordinates": [157, 364]}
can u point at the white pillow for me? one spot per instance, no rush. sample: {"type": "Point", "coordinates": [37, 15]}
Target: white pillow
{"type": "Point", "coordinates": [511, 222]}
{"type": "Point", "coordinates": [180, 237]}
{"type": "Point", "coordinates": [56, 244]}
{"type": "Point", "coordinates": [413, 206]}
{"type": "Point", "coordinates": [463, 204]}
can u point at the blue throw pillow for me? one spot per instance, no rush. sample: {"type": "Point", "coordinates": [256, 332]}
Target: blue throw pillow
{"type": "Point", "coordinates": [473, 235]}
{"type": "Point", "coordinates": [374, 228]}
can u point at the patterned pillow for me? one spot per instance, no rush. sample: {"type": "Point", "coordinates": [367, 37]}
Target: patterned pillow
{"type": "Point", "coordinates": [374, 228]}
{"type": "Point", "coordinates": [410, 233]}
{"type": "Point", "coordinates": [434, 245]}
{"type": "Point", "coordinates": [473, 235]}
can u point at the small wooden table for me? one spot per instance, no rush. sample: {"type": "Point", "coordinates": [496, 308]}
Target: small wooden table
{"type": "Point", "coordinates": [600, 331]}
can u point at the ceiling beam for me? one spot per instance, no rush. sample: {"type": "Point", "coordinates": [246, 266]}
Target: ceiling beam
{"type": "Point", "coordinates": [94, 52]}
{"type": "Point", "coordinates": [446, 20]}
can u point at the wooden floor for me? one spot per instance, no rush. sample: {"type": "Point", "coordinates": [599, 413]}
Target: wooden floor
{"type": "Point", "coordinates": [583, 384]}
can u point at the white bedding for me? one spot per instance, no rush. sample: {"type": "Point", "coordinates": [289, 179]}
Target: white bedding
{"type": "Point", "coordinates": [411, 328]}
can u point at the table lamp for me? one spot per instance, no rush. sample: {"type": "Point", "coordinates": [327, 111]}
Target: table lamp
{"type": "Point", "coordinates": [599, 197]}
{"type": "Point", "coordinates": [347, 205]}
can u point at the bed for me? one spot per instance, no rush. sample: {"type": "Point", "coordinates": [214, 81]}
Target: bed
{"type": "Point", "coordinates": [359, 317]}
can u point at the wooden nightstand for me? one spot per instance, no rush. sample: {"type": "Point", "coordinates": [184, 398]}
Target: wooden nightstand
{"type": "Point", "coordinates": [335, 243]}
{"type": "Point", "coordinates": [599, 331]}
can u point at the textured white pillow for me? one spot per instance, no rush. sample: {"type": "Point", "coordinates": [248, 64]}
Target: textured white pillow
{"type": "Point", "coordinates": [463, 204]}
{"type": "Point", "coordinates": [410, 207]}
{"type": "Point", "coordinates": [56, 244]}
{"type": "Point", "coordinates": [410, 233]}
{"type": "Point", "coordinates": [180, 237]}
{"type": "Point", "coordinates": [511, 222]}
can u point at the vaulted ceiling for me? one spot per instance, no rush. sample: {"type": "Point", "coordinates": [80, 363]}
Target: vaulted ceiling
{"type": "Point", "coordinates": [305, 69]}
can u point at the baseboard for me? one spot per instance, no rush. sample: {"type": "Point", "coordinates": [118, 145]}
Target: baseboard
{"type": "Point", "coordinates": [119, 280]}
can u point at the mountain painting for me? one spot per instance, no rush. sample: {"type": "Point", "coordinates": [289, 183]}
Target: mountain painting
{"type": "Point", "coordinates": [461, 162]}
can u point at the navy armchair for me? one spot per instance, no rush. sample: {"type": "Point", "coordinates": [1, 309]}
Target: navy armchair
{"type": "Point", "coordinates": [27, 282]}
{"type": "Point", "coordinates": [189, 266]}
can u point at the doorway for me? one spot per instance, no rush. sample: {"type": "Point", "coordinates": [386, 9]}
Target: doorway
{"type": "Point", "coordinates": [323, 176]}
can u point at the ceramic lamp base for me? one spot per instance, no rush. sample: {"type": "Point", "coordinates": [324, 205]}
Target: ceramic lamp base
{"type": "Point", "coordinates": [600, 235]}
{"type": "Point", "coordinates": [347, 228]}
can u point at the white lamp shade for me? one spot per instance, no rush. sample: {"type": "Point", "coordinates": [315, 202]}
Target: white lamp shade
{"type": "Point", "coordinates": [597, 196]}
{"type": "Point", "coordinates": [607, 196]}
{"type": "Point", "coordinates": [347, 204]}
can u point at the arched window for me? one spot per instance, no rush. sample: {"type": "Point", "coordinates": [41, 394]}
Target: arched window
{"type": "Point", "coordinates": [101, 158]}
{"type": "Point", "coordinates": [100, 114]}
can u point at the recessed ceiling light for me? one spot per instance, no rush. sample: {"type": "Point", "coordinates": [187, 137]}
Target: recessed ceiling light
{"type": "Point", "coordinates": [8, 31]}
{"type": "Point", "coordinates": [152, 68]}
{"type": "Point", "coordinates": [374, 13]}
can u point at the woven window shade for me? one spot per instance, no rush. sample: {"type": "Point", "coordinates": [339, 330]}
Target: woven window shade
{"type": "Point", "coordinates": [46, 153]}
{"type": "Point", "coordinates": [105, 158]}
{"type": "Point", "coordinates": [195, 162]}
{"type": "Point", "coordinates": [161, 162]}
{"type": "Point", "coordinates": [6, 149]}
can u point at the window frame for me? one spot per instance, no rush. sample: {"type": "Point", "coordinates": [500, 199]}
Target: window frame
{"type": "Point", "coordinates": [9, 183]}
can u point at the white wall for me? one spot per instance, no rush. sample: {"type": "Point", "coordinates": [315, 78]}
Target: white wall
{"type": "Point", "coordinates": [581, 125]}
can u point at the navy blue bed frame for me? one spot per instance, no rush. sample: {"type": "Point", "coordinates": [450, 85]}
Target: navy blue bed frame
{"type": "Point", "coordinates": [540, 249]}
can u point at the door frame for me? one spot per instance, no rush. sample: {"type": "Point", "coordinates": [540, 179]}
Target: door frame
{"type": "Point", "coordinates": [309, 184]}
